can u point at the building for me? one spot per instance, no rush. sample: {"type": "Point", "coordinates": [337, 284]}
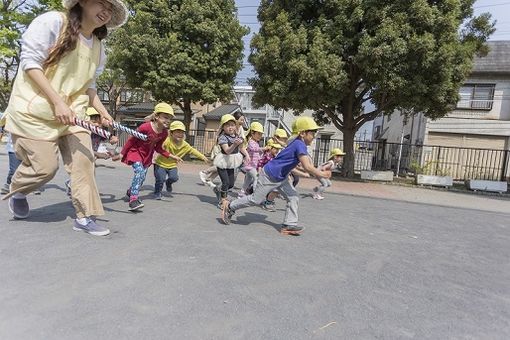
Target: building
{"type": "Point", "coordinates": [480, 120]}
{"type": "Point", "coordinates": [473, 140]}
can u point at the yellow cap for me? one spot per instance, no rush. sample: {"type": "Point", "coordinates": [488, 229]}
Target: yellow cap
{"type": "Point", "coordinates": [281, 133]}
{"type": "Point", "coordinates": [256, 127]}
{"type": "Point", "coordinates": [226, 118]}
{"type": "Point", "coordinates": [91, 112]}
{"type": "Point", "coordinates": [164, 108]}
{"type": "Point", "coordinates": [304, 124]}
{"type": "Point", "coordinates": [336, 152]}
{"type": "Point", "coordinates": [177, 125]}
{"type": "Point", "coordinates": [276, 146]}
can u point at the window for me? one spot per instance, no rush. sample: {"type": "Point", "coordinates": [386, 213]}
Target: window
{"type": "Point", "coordinates": [103, 95]}
{"type": "Point", "coordinates": [476, 96]}
{"type": "Point", "coordinates": [133, 96]}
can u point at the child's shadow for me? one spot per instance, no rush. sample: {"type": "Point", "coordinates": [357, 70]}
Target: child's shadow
{"type": "Point", "coordinates": [248, 218]}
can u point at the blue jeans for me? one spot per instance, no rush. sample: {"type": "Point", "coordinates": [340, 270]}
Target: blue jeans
{"type": "Point", "coordinates": [13, 165]}
{"type": "Point", "coordinates": [162, 175]}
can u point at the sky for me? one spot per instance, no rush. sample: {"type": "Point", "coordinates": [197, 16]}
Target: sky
{"type": "Point", "coordinates": [247, 9]}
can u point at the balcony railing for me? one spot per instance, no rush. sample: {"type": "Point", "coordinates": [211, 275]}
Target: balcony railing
{"type": "Point", "coordinates": [475, 104]}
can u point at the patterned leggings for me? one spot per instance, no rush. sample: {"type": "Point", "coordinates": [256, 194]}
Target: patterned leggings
{"type": "Point", "coordinates": [140, 173]}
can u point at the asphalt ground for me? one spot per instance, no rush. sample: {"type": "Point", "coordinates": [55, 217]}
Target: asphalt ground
{"type": "Point", "coordinates": [384, 264]}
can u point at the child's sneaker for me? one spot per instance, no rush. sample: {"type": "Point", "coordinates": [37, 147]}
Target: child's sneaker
{"type": "Point", "coordinates": [269, 206]}
{"type": "Point", "coordinates": [135, 205]}
{"type": "Point", "coordinates": [19, 208]}
{"type": "Point", "coordinates": [37, 192]}
{"type": "Point", "coordinates": [241, 194]}
{"type": "Point", "coordinates": [217, 192]}
{"type": "Point", "coordinates": [293, 230]}
{"type": "Point", "coordinates": [157, 196]}
{"type": "Point", "coordinates": [210, 183]}
{"type": "Point", "coordinates": [91, 228]}
{"type": "Point", "coordinates": [226, 212]}
{"type": "Point", "coordinates": [68, 187]}
{"type": "Point", "coordinates": [203, 177]}
{"type": "Point", "coordinates": [318, 196]}
{"type": "Point", "coordinates": [5, 189]}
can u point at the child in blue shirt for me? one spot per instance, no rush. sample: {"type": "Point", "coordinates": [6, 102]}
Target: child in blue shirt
{"type": "Point", "coordinates": [274, 176]}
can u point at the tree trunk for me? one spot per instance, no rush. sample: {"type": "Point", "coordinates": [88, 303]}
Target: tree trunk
{"type": "Point", "coordinates": [186, 108]}
{"type": "Point", "coordinates": [348, 162]}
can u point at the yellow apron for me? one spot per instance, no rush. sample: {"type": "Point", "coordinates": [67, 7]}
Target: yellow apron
{"type": "Point", "coordinates": [30, 115]}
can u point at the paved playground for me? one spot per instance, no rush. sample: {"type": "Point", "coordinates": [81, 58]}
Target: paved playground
{"type": "Point", "coordinates": [375, 262]}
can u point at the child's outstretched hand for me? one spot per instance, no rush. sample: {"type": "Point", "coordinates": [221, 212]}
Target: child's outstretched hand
{"type": "Point", "coordinates": [326, 173]}
{"type": "Point", "coordinates": [176, 158]}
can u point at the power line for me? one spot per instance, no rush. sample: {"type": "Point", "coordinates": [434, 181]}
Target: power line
{"type": "Point", "coordinates": [485, 6]}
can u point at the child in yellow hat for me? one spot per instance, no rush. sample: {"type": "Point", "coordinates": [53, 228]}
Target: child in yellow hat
{"type": "Point", "coordinates": [165, 169]}
{"type": "Point", "coordinates": [138, 153]}
{"type": "Point", "coordinates": [274, 176]}
{"type": "Point", "coordinates": [335, 157]}
{"type": "Point", "coordinates": [253, 137]}
{"type": "Point", "coordinates": [230, 157]}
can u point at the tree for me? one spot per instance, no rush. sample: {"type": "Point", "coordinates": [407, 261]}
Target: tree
{"type": "Point", "coordinates": [335, 56]}
{"type": "Point", "coordinates": [15, 15]}
{"type": "Point", "coordinates": [182, 51]}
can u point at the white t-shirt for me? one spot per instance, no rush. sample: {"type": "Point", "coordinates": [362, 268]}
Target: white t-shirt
{"type": "Point", "coordinates": [41, 36]}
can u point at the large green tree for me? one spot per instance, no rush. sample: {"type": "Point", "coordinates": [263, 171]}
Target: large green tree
{"type": "Point", "coordinates": [334, 56]}
{"type": "Point", "coordinates": [15, 15]}
{"type": "Point", "coordinates": [182, 51]}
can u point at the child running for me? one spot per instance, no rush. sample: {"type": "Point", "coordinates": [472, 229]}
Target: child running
{"type": "Point", "coordinates": [230, 157]}
{"type": "Point", "coordinates": [335, 157]}
{"type": "Point", "coordinates": [275, 176]}
{"type": "Point", "coordinates": [61, 57]}
{"type": "Point", "coordinates": [254, 150]}
{"type": "Point", "coordinates": [280, 137]}
{"type": "Point", "coordinates": [165, 169]}
{"type": "Point", "coordinates": [138, 153]}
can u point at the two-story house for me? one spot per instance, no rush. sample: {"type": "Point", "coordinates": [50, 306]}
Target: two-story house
{"type": "Point", "coordinates": [471, 134]}
{"type": "Point", "coordinates": [480, 120]}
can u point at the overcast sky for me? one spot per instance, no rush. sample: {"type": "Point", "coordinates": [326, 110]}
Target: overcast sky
{"type": "Point", "coordinates": [500, 10]}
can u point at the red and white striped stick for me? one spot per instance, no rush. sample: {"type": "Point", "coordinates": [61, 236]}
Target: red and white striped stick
{"type": "Point", "coordinates": [132, 132]}
{"type": "Point", "coordinates": [92, 128]}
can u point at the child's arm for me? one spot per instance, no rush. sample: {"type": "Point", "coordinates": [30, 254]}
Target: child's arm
{"type": "Point", "coordinates": [307, 164]}
{"type": "Point", "coordinates": [300, 173]}
{"type": "Point", "coordinates": [198, 154]}
{"type": "Point", "coordinates": [159, 149]}
{"type": "Point", "coordinates": [247, 157]}
{"type": "Point", "coordinates": [228, 149]}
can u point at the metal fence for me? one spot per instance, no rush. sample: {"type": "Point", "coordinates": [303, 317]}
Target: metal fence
{"type": "Point", "coordinates": [459, 163]}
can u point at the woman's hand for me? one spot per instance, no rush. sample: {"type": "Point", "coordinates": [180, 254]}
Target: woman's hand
{"type": "Point", "coordinates": [64, 114]}
{"type": "Point", "coordinates": [106, 119]}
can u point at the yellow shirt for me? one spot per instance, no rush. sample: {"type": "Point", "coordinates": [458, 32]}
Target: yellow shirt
{"type": "Point", "coordinates": [180, 150]}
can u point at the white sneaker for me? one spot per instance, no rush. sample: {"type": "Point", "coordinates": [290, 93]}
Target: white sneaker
{"type": "Point", "coordinates": [210, 183]}
{"type": "Point", "coordinates": [203, 177]}
{"type": "Point", "coordinates": [318, 196]}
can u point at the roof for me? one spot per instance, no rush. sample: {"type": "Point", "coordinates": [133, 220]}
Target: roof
{"type": "Point", "coordinates": [220, 111]}
{"type": "Point", "coordinates": [145, 107]}
{"type": "Point", "coordinates": [497, 60]}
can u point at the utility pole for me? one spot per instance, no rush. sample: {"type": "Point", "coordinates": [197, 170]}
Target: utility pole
{"type": "Point", "coordinates": [404, 123]}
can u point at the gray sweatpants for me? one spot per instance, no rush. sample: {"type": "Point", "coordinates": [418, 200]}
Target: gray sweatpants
{"type": "Point", "coordinates": [325, 183]}
{"type": "Point", "coordinates": [250, 179]}
{"type": "Point", "coordinates": [263, 188]}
